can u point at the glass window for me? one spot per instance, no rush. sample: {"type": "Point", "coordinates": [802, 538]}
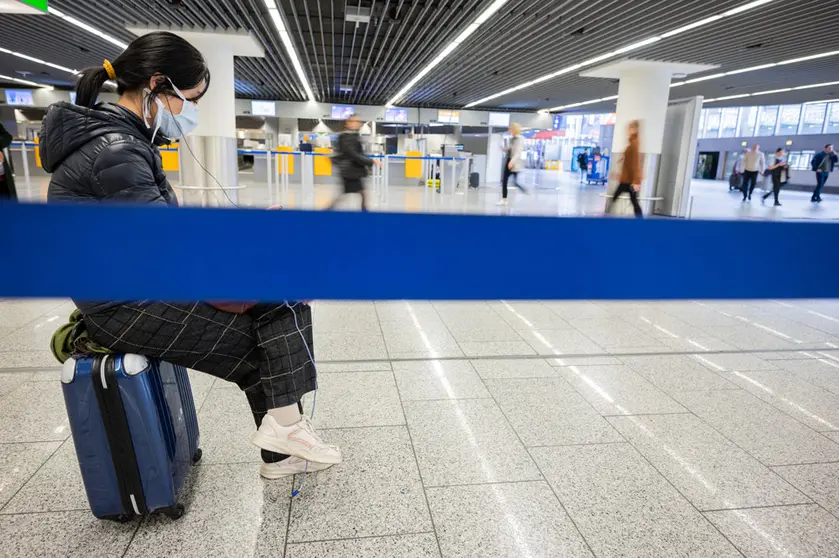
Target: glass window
{"type": "Point", "coordinates": [729, 120]}
{"type": "Point", "coordinates": [748, 121]}
{"type": "Point", "coordinates": [767, 117]}
{"type": "Point", "coordinates": [833, 119]}
{"type": "Point", "coordinates": [702, 117]}
{"type": "Point", "coordinates": [790, 116]}
{"type": "Point", "coordinates": [800, 160]}
{"type": "Point", "coordinates": [813, 119]}
{"type": "Point", "coordinates": [712, 123]}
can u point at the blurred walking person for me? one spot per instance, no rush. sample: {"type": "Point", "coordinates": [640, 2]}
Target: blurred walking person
{"type": "Point", "coordinates": [512, 163]}
{"type": "Point", "coordinates": [582, 162]}
{"type": "Point", "coordinates": [353, 164]}
{"type": "Point", "coordinates": [754, 163]}
{"type": "Point", "coordinates": [631, 174]}
{"type": "Point", "coordinates": [823, 164]}
{"type": "Point", "coordinates": [780, 172]}
{"type": "Point", "coordinates": [7, 180]}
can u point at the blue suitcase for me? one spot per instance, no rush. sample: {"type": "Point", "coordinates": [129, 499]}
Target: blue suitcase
{"type": "Point", "coordinates": [136, 433]}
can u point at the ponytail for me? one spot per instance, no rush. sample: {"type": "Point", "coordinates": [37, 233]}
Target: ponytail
{"type": "Point", "coordinates": [158, 53]}
{"type": "Point", "coordinates": [90, 83]}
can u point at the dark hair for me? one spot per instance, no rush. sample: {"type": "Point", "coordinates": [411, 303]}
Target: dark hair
{"type": "Point", "coordinates": [779, 149]}
{"type": "Point", "coordinates": [156, 53]}
{"type": "Point", "coordinates": [828, 145]}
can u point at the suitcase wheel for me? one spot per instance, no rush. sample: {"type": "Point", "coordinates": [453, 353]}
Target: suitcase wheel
{"type": "Point", "coordinates": [175, 512]}
{"type": "Point", "coordinates": [122, 518]}
{"type": "Point", "coordinates": [197, 457]}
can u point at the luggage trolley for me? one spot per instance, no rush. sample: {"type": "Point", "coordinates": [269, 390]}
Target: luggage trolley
{"type": "Point", "coordinates": [598, 170]}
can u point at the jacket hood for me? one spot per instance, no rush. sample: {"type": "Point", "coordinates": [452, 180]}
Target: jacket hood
{"type": "Point", "coordinates": [67, 127]}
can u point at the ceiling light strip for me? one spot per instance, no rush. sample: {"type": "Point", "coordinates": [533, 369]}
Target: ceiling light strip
{"type": "Point", "coordinates": [285, 38]}
{"type": "Point", "coordinates": [82, 25]}
{"type": "Point", "coordinates": [25, 82]}
{"type": "Point", "coordinates": [485, 15]}
{"type": "Point", "coordinates": [623, 50]}
{"type": "Point", "coordinates": [773, 91]}
{"type": "Point", "coordinates": [38, 61]}
{"type": "Point", "coordinates": [731, 73]}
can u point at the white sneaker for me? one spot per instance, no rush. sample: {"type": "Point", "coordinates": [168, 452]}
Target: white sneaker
{"type": "Point", "coordinates": [502, 201]}
{"type": "Point", "coordinates": [299, 440]}
{"type": "Point", "coordinates": [288, 467]}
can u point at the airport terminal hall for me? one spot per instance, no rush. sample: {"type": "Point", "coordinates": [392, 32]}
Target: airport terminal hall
{"type": "Point", "coordinates": [419, 279]}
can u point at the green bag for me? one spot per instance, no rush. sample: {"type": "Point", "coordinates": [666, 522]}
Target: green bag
{"type": "Point", "coordinates": [72, 339]}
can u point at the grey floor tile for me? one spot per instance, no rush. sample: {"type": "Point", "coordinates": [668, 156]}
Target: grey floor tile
{"type": "Point", "coordinates": [28, 359]}
{"type": "Point", "coordinates": [70, 534]}
{"type": "Point", "coordinates": [351, 399]}
{"type": "Point", "coordinates": [548, 411]}
{"type": "Point", "coordinates": [10, 381]}
{"type": "Point", "coordinates": [613, 332]}
{"type": "Point", "coordinates": [354, 366]}
{"type": "Point", "coordinates": [571, 309]}
{"type": "Point", "coordinates": [515, 368]}
{"type": "Point", "coordinates": [814, 406]}
{"type": "Point", "coordinates": [676, 373]}
{"type": "Point", "coordinates": [438, 379]}
{"type": "Point", "coordinates": [226, 425]}
{"type": "Point", "coordinates": [57, 486]}
{"type": "Point", "coordinates": [823, 372]}
{"type": "Point", "coordinates": [703, 465]}
{"type": "Point", "coordinates": [404, 546]}
{"type": "Point", "coordinates": [349, 346]}
{"type": "Point", "coordinates": [230, 511]}
{"type": "Point", "coordinates": [18, 462]}
{"type": "Point", "coordinates": [617, 390]}
{"type": "Point", "coordinates": [819, 481]}
{"type": "Point", "coordinates": [409, 339]}
{"type": "Point", "coordinates": [832, 435]}
{"type": "Point", "coordinates": [693, 344]}
{"type": "Point", "coordinates": [376, 491]}
{"type": "Point", "coordinates": [749, 337]}
{"type": "Point", "coordinates": [489, 335]}
{"type": "Point", "coordinates": [497, 348]}
{"type": "Point", "coordinates": [734, 361]}
{"type": "Point", "coordinates": [499, 520]}
{"type": "Point", "coordinates": [558, 342]}
{"type": "Point", "coordinates": [623, 507]}
{"type": "Point", "coordinates": [466, 441]}
{"type": "Point", "coordinates": [34, 412]}
{"type": "Point", "coordinates": [770, 435]}
{"type": "Point", "coordinates": [18, 313]}
{"type": "Point", "coordinates": [800, 531]}
{"type": "Point", "coordinates": [407, 311]}
{"type": "Point", "coordinates": [34, 336]}
{"type": "Point", "coordinates": [585, 361]}
{"type": "Point", "coordinates": [529, 315]}
{"type": "Point", "coordinates": [201, 385]}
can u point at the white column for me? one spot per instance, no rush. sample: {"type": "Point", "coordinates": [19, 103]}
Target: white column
{"type": "Point", "coordinates": [643, 95]}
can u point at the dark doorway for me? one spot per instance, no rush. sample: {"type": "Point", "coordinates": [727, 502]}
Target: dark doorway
{"type": "Point", "coordinates": [707, 164]}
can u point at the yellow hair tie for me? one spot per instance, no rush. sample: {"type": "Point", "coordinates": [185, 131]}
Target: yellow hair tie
{"type": "Point", "coordinates": [112, 75]}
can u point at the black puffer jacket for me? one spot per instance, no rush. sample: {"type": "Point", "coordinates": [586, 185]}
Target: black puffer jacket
{"type": "Point", "coordinates": [103, 154]}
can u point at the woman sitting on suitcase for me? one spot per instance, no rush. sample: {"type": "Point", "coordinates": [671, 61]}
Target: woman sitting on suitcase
{"type": "Point", "coordinates": [107, 152]}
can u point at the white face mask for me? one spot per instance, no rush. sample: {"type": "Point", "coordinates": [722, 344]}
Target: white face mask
{"type": "Point", "coordinates": [173, 126]}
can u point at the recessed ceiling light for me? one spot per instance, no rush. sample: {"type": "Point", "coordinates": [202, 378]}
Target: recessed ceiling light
{"type": "Point", "coordinates": [26, 82]}
{"type": "Point", "coordinates": [285, 38]}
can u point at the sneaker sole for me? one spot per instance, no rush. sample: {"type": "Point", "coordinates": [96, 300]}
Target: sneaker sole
{"type": "Point", "coordinates": [275, 474]}
{"type": "Point", "coordinates": [270, 443]}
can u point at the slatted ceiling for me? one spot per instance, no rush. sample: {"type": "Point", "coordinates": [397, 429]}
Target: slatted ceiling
{"type": "Point", "coordinates": [526, 46]}
{"type": "Point", "coordinates": [524, 40]}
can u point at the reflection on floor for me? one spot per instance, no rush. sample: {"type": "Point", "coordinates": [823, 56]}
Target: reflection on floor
{"type": "Point", "coordinates": [500, 428]}
{"type": "Point", "coordinates": [551, 193]}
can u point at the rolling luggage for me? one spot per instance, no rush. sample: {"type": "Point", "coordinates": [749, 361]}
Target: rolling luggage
{"type": "Point", "coordinates": [735, 181]}
{"type": "Point", "coordinates": [474, 179]}
{"type": "Point", "coordinates": [135, 430]}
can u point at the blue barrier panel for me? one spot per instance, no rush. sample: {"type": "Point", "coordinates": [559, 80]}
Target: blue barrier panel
{"type": "Point", "coordinates": [217, 254]}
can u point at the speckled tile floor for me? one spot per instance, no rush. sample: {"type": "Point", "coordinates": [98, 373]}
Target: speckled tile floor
{"type": "Point", "coordinates": [486, 429]}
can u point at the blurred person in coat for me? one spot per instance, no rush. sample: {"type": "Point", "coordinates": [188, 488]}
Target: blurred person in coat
{"type": "Point", "coordinates": [7, 179]}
